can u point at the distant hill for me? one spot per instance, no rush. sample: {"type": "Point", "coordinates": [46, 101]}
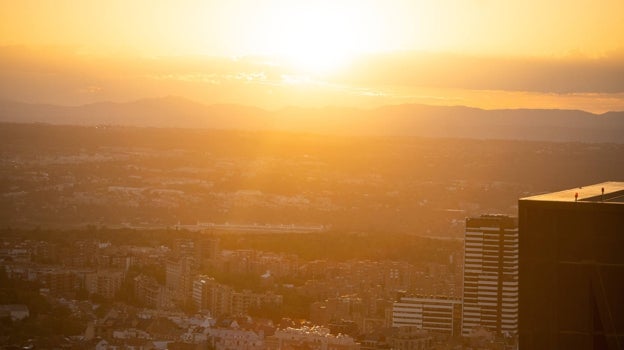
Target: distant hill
{"type": "Point", "coordinates": [157, 112]}
{"type": "Point", "coordinates": [398, 120]}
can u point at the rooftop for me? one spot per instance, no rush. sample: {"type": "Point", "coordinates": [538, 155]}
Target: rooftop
{"type": "Point", "coordinates": [606, 192]}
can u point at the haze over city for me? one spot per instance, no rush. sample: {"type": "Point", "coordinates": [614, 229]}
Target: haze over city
{"type": "Point", "coordinates": [328, 175]}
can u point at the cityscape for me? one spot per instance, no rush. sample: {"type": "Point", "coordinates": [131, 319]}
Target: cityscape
{"type": "Point", "coordinates": [87, 264]}
{"type": "Point", "coordinates": [311, 175]}
{"type": "Point", "coordinates": [150, 294]}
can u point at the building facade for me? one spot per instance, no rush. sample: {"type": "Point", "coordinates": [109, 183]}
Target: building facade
{"type": "Point", "coordinates": [179, 277]}
{"type": "Point", "coordinates": [572, 269]}
{"type": "Point", "coordinates": [490, 295]}
{"type": "Point", "coordinates": [440, 315]}
{"type": "Point", "coordinates": [104, 283]}
{"type": "Point", "coordinates": [313, 338]}
{"type": "Point", "coordinates": [210, 295]}
{"type": "Point", "coordinates": [241, 302]}
{"type": "Point", "coordinates": [149, 292]}
{"type": "Point", "coordinates": [410, 338]}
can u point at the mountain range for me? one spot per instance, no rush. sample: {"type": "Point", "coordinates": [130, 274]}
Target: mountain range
{"type": "Point", "coordinates": [395, 120]}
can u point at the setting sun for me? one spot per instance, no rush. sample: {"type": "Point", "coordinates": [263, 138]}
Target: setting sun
{"type": "Point", "coordinates": [313, 38]}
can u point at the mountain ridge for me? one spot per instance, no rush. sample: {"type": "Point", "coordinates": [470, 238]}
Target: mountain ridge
{"type": "Point", "coordinates": [390, 120]}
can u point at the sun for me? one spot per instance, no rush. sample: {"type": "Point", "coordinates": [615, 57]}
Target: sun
{"type": "Point", "coordinates": [315, 37]}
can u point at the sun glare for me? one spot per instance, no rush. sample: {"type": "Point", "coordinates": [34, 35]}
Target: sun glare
{"type": "Point", "coordinates": [313, 38]}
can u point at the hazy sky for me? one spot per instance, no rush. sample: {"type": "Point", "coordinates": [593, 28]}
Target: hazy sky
{"type": "Point", "coordinates": [533, 27]}
{"type": "Point", "coordinates": [449, 51]}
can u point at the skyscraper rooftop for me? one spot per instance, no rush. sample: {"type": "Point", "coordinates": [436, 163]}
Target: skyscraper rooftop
{"type": "Point", "coordinates": [607, 192]}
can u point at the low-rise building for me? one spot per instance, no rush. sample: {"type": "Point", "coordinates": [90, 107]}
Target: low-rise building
{"type": "Point", "coordinates": [435, 314]}
{"type": "Point", "coordinates": [313, 338]}
{"type": "Point", "coordinates": [243, 301]}
{"type": "Point", "coordinates": [410, 338]}
{"type": "Point", "coordinates": [226, 339]}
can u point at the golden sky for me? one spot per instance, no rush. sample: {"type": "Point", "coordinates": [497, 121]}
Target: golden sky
{"type": "Point", "coordinates": [238, 27]}
{"type": "Point", "coordinates": [333, 47]}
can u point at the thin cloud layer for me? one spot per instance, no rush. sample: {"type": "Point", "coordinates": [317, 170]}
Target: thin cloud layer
{"type": "Point", "coordinates": [572, 74]}
{"type": "Point", "coordinates": [66, 76]}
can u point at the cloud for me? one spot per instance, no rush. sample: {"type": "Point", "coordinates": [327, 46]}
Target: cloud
{"type": "Point", "coordinates": [67, 76]}
{"type": "Point", "coordinates": [576, 74]}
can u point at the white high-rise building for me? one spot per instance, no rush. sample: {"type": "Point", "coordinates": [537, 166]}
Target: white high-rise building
{"type": "Point", "coordinates": [490, 297]}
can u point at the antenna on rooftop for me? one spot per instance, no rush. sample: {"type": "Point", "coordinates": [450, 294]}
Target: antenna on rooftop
{"type": "Point", "coordinates": [602, 195]}
{"type": "Point", "coordinates": [576, 196]}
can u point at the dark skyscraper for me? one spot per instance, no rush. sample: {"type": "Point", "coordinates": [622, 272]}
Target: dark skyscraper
{"type": "Point", "coordinates": [572, 269]}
